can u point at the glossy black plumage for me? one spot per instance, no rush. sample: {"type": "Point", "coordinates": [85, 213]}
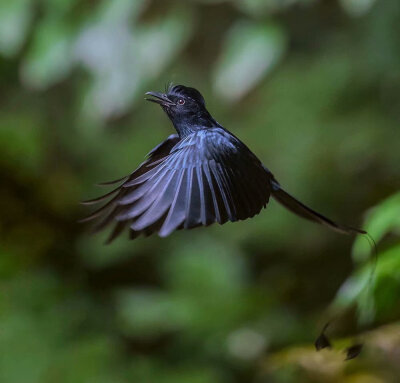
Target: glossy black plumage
{"type": "Point", "coordinates": [202, 175]}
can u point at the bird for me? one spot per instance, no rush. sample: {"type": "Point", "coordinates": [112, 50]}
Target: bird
{"type": "Point", "coordinates": [201, 175]}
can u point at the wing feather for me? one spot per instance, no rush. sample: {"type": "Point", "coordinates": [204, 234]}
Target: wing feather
{"type": "Point", "coordinates": [222, 188]}
{"type": "Point", "coordinates": [101, 198]}
{"type": "Point", "coordinates": [118, 229]}
{"type": "Point", "coordinates": [159, 206]}
{"type": "Point", "coordinates": [185, 183]}
{"type": "Point", "coordinates": [221, 215]}
{"type": "Point", "coordinates": [246, 201]}
{"type": "Point", "coordinates": [207, 212]}
{"type": "Point", "coordinates": [176, 214]}
{"type": "Point", "coordinates": [108, 183]}
{"type": "Point", "coordinates": [143, 203]}
{"type": "Point", "coordinates": [101, 210]}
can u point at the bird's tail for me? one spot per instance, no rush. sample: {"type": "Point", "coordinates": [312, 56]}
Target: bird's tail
{"type": "Point", "coordinates": [304, 211]}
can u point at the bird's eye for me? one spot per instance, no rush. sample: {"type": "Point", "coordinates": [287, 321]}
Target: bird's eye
{"type": "Point", "coordinates": [181, 101]}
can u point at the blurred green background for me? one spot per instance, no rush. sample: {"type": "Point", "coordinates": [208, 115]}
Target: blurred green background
{"type": "Point", "coordinates": [312, 87]}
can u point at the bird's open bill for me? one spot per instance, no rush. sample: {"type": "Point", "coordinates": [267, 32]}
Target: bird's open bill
{"type": "Point", "coordinates": [159, 98]}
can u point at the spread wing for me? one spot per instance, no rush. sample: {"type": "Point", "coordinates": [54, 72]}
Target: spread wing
{"type": "Point", "coordinates": [207, 177]}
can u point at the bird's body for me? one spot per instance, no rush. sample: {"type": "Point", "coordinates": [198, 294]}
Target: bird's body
{"type": "Point", "coordinates": [202, 175]}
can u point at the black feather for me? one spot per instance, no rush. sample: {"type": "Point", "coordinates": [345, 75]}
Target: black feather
{"type": "Point", "coordinates": [200, 176]}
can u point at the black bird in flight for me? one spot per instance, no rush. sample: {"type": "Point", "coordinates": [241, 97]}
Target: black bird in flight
{"type": "Point", "coordinates": [202, 175]}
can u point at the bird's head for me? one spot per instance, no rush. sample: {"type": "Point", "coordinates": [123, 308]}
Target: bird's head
{"type": "Point", "coordinates": [185, 107]}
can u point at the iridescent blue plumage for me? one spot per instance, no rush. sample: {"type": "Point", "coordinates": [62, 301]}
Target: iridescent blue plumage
{"type": "Point", "coordinates": [202, 175]}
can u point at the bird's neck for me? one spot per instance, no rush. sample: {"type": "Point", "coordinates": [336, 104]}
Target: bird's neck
{"type": "Point", "coordinates": [191, 124]}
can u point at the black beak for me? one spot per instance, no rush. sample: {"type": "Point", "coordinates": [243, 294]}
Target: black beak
{"type": "Point", "coordinates": [159, 98]}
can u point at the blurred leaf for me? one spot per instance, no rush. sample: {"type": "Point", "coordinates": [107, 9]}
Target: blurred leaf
{"type": "Point", "coordinates": [117, 11]}
{"type": "Point", "coordinates": [38, 319]}
{"type": "Point", "coordinates": [161, 40]}
{"type": "Point", "coordinates": [147, 314]}
{"type": "Point", "coordinates": [250, 52]}
{"type": "Point", "coordinates": [94, 360]}
{"type": "Point", "coordinates": [49, 58]}
{"type": "Point", "coordinates": [260, 7]}
{"type": "Point", "coordinates": [357, 7]}
{"type": "Point", "coordinates": [21, 142]}
{"type": "Point", "coordinates": [15, 18]}
{"type": "Point", "coordinates": [97, 255]}
{"type": "Point", "coordinates": [59, 7]}
{"type": "Point", "coordinates": [198, 269]}
{"type": "Point", "coordinates": [149, 370]}
{"type": "Point", "coordinates": [380, 55]}
{"type": "Point", "coordinates": [206, 293]}
{"type": "Point", "coordinates": [377, 297]}
{"type": "Point", "coordinates": [381, 220]}
{"type": "Point", "coordinates": [122, 59]}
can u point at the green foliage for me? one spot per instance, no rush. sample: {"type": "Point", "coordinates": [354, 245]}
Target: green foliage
{"type": "Point", "coordinates": [382, 220]}
{"type": "Point", "coordinates": [311, 87]}
{"type": "Point", "coordinates": [40, 341]}
{"type": "Point", "coordinates": [375, 286]}
{"type": "Point", "coordinates": [15, 18]}
{"type": "Point", "coordinates": [250, 52]}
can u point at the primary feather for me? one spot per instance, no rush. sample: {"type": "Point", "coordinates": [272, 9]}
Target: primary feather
{"type": "Point", "coordinates": [186, 183]}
